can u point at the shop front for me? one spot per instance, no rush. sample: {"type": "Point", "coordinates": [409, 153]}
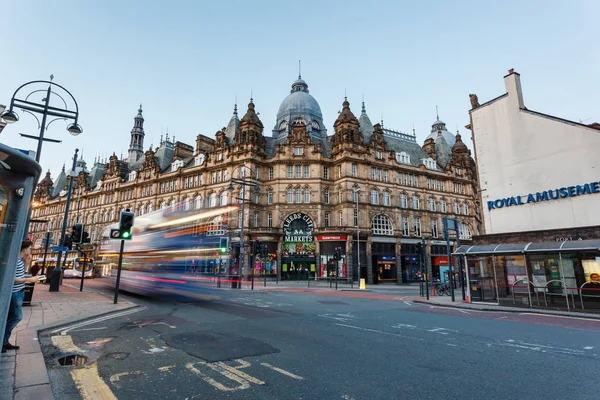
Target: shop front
{"type": "Point", "coordinates": [383, 253]}
{"type": "Point", "coordinates": [547, 274]}
{"type": "Point", "coordinates": [332, 257]}
{"type": "Point", "coordinates": [298, 258]}
{"type": "Point", "coordinates": [439, 262]}
{"type": "Point", "coordinates": [410, 263]}
{"type": "Point", "coordinates": [264, 256]}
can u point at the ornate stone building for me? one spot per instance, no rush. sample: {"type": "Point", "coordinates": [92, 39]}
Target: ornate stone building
{"type": "Point", "coordinates": [313, 189]}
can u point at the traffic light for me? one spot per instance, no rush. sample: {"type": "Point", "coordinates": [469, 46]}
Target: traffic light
{"type": "Point", "coordinates": [125, 224]}
{"type": "Point", "coordinates": [223, 245]}
{"type": "Point", "coordinates": [85, 238]}
{"type": "Point", "coordinates": [77, 233]}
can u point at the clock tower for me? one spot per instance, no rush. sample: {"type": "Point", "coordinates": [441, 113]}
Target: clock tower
{"type": "Point", "coordinates": [136, 145]}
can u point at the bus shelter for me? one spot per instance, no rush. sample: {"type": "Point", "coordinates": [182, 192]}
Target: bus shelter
{"type": "Point", "coordinates": [562, 275]}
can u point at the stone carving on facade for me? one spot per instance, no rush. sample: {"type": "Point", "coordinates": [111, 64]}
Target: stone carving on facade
{"type": "Point", "coordinates": [346, 129]}
{"type": "Point", "coordinates": [474, 101]}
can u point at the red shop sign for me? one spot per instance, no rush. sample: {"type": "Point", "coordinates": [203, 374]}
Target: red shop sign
{"type": "Point", "coordinates": [324, 238]}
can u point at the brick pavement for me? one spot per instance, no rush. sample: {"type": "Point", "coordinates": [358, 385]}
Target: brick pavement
{"type": "Point", "coordinates": [23, 373]}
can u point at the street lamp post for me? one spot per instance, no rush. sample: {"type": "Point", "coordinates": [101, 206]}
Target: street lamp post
{"type": "Point", "coordinates": [243, 183]}
{"type": "Point", "coordinates": [28, 105]}
{"type": "Point", "coordinates": [55, 278]}
{"type": "Point", "coordinates": [356, 192]}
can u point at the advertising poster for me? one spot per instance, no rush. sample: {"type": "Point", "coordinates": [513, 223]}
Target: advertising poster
{"type": "Point", "coordinates": [591, 270]}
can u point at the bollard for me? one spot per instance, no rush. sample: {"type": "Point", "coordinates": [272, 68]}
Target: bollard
{"type": "Point", "coordinates": [252, 279]}
{"type": "Point", "coordinates": [336, 282]}
{"type": "Point", "coordinates": [265, 272]}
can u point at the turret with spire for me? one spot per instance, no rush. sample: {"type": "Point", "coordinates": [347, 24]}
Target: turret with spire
{"type": "Point", "coordinates": [250, 131]}
{"type": "Point", "coordinates": [233, 125]}
{"type": "Point", "coordinates": [136, 146]}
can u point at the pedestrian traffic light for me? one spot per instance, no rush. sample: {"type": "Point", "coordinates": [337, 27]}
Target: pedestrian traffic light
{"type": "Point", "coordinates": [125, 224]}
{"type": "Point", "coordinates": [68, 242]}
{"type": "Point", "coordinates": [223, 245]}
{"type": "Point", "coordinates": [77, 233]}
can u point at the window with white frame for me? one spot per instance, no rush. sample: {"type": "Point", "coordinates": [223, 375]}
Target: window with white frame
{"type": "Point", "coordinates": [269, 196]}
{"type": "Point", "coordinates": [325, 172]}
{"type": "Point", "coordinates": [290, 195]}
{"type": "Point", "coordinates": [270, 220]}
{"type": "Point", "coordinates": [326, 196]}
{"type": "Point", "coordinates": [239, 218]}
{"type": "Point", "coordinates": [290, 172]}
{"type": "Point", "coordinates": [339, 169]}
{"type": "Point", "coordinates": [381, 225]}
{"type": "Point", "coordinates": [403, 201]}
{"type": "Point", "coordinates": [212, 200]}
{"type": "Point", "coordinates": [223, 199]}
{"type": "Point", "coordinates": [306, 171]}
{"type": "Point", "coordinates": [355, 194]}
{"type": "Point", "coordinates": [219, 156]}
{"type": "Point", "coordinates": [298, 195]}
{"type": "Point", "coordinates": [198, 202]}
{"type": "Point", "coordinates": [456, 208]}
{"type": "Point", "coordinates": [327, 220]}
{"type": "Point", "coordinates": [374, 196]}
{"type": "Point", "coordinates": [415, 202]}
{"type": "Point", "coordinates": [298, 151]}
{"type": "Point", "coordinates": [242, 194]}
{"type": "Point", "coordinates": [403, 158]}
{"type": "Point", "coordinates": [465, 209]}
{"type": "Point", "coordinates": [341, 217]}
{"type": "Point", "coordinates": [306, 195]}
{"type": "Point", "coordinates": [417, 225]}
{"type": "Point", "coordinates": [434, 228]}
{"type": "Point", "coordinates": [443, 206]}
{"type": "Point", "coordinates": [270, 173]}
{"type": "Point", "coordinates": [256, 196]}
{"type": "Point", "coordinates": [378, 155]}
{"type": "Point", "coordinates": [405, 226]}
{"type": "Point", "coordinates": [386, 198]}
{"type": "Point", "coordinates": [464, 231]}
{"type": "Point", "coordinates": [340, 195]}
{"type": "Point", "coordinates": [354, 170]}
{"type": "Point", "coordinates": [429, 163]}
{"type": "Point", "coordinates": [256, 219]}
{"type": "Point", "coordinates": [431, 204]}
{"type": "Point", "coordinates": [298, 169]}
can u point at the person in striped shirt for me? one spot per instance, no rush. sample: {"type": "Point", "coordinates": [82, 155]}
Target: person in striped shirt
{"type": "Point", "coordinates": [15, 313]}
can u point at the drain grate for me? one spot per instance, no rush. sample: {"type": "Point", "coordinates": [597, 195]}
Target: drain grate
{"type": "Point", "coordinates": [75, 360]}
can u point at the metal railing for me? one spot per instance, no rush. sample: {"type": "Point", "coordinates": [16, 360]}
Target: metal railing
{"type": "Point", "coordinates": [581, 295]}
{"type": "Point", "coordinates": [529, 286]}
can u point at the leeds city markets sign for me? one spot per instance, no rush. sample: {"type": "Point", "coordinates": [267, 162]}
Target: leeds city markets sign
{"type": "Point", "coordinates": [548, 195]}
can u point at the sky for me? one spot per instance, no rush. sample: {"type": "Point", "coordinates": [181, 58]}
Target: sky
{"type": "Point", "coordinates": [188, 61]}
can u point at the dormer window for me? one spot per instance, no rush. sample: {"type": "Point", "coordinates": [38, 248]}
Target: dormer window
{"type": "Point", "coordinates": [378, 155]}
{"type": "Point", "coordinates": [132, 176]}
{"type": "Point", "coordinates": [429, 163]}
{"type": "Point", "coordinates": [282, 125]}
{"type": "Point", "coordinates": [176, 165]}
{"type": "Point", "coordinates": [298, 150]}
{"type": "Point", "coordinates": [402, 158]}
{"type": "Point", "coordinates": [315, 124]}
{"type": "Point", "coordinates": [219, 156]}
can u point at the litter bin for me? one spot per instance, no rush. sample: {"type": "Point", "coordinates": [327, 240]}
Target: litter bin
{"type": "Point", "coordinates": [476, 290]}
{"type": "Point", "coordinates": [28, 293]}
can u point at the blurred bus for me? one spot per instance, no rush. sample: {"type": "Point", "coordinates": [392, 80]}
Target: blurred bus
{"type": "Point", "coordinates": [72, 267]}
{"type": "Point", "coordinates": [174, 251]}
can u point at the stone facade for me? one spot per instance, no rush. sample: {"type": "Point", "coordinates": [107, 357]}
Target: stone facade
{"type": "Point", "coordinates": [403, 191]}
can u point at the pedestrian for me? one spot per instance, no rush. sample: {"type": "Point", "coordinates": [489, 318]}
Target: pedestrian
{"type": "Point", "coordinates": [35, 269]}
{"type": "Point", "coordinates": [15, 312]}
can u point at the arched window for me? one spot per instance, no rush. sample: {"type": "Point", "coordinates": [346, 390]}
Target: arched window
{"type": "Point", "coordinates": [150, 208]}
{"type": "Point", "coordinates": [465, 209]}
{"type": "Point", "coordinates": [290, 195]}
{"type": "Point", "coordinates": [172, 203]}
{"type": "Point", "coordinates": [163, 205]}
{"type": "Point", "coordinates": [212, 200]}
{"type": "Point", "coordinates": [306, 195]}
{"type": "Point", "coordinates": [89, 218]}
{"type": "Point", "coordinates": [198, 202]}
{"type": "Point", "coordinates": [431, 204]}
{"type": "Point", "coordinates": [374, 196]}
{"type": "Point", "coordinates": [298, 195]}
{"type": "Point", "coordinates": [186, 204]}
{"type": "Point", "coordinates": [381, 225]}
{"type": "Point", "coordinates": [386, 198]}
{"type": "Point", "coordinates": [443, 206]}
{"type": "Point", "coordinates": [269, 196]}
{"type": "Point", "coordinates": [464, 231]}
{"type": "Point", "coordinates": [326, 196]}
{"type": "Point", "coordinates": [95, 218]}
{"type": "Point", "coordinates": [456, 208]}
{"type": "Point", "coordinates": [355, 193]}
{"type": "Point", "coordinates": [403, 201]}
{"type": "Point", "coordinates": [141, 210]}
{"type": "Point", "coordinates": [415, 202]}
{"type": "Point", "coordinates": [340, 194]}
{"type": "Point", "coordinates": [223, 199]}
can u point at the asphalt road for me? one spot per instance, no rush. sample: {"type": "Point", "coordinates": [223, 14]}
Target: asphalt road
{"type": "Point", "coordinates": [301, 345]}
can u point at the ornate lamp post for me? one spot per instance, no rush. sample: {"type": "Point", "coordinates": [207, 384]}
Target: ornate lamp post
{"type": "Point", "coordinates": [242, 182]}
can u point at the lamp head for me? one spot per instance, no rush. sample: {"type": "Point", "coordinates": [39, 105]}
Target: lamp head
{"type": "Point", "coordinates": [230, 187]}
{"type": "Point", "coordinates": [75, 129]}
{"type": "Point", "coordinates": [9, 116]}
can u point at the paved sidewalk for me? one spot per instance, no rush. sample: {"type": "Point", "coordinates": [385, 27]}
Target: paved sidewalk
{"type": "Point", "coordinates": [23, 373]}
{"type": "Point", "coordinates": [446, 301]}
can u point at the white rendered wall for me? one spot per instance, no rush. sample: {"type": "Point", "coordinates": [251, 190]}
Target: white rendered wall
{"type": "Point", "coordinates": [519, 152]}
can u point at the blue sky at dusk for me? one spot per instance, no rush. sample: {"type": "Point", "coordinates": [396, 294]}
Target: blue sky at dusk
{"type": "Point", "coordinates": [186, 61]}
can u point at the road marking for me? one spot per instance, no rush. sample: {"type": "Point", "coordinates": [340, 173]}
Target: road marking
{"type": "Point", "coordinates": [561, 316]}
{"type": "Point", "coordinates": [442, 331]}
{"type": "Point", "coordinates": [236, 370]}
{"type": "Point", "coordinates": [65, 330]}
{"type": "Point", "coordinates": [464, 312]}
{"type": "Point", "coordinates": [90, 329]}
{"type": "Point", "coordinates": [340, 317]}
{"type": "Point", "coordinates": [540, 347]}
{"type": "Point", "coordinates": [282, 371]}
{"type": "Point", "coordinates": [378, 331]}
{"type": "Point", "coordinates": [90, 385]}
{"type": "Point", "coordinates": [114, 379]}
{"type": "Point", "coordinates": [166, 368]}
{"type": "Point", "coordinates": [450, 344]}
{"type": "Point", "coordinates": [407, 303]}
{"type": "Point", "coordinates": [243, 384]}
{"type": "Point", "coordinates": [588, 347]}
{"type": "Point", "coordinates": [404, 326]}
{"type": "Point", "coordinates": [65, 344]}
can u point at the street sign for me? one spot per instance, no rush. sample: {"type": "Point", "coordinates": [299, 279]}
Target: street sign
{"type": "Point", "coordinates": [60, 248]}
{"type": "Point", "coordinates": [115, 234]}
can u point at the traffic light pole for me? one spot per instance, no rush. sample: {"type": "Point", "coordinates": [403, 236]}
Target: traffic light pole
{"type": "Point", "coordinates": [56, 273]}
{"type": "Point", "coordinates": [119, 272]}
{"type": "Point", "coordinates": [46, 243]}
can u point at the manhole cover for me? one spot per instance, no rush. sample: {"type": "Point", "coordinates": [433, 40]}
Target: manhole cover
{"type": "Point", "coordinates": [76, 360]}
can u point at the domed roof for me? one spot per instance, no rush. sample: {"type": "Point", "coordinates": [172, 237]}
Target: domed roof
{"type": "Point", "coordinates": [299, 103]}
{"type": "Point", "coordinates": [440, 126]}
